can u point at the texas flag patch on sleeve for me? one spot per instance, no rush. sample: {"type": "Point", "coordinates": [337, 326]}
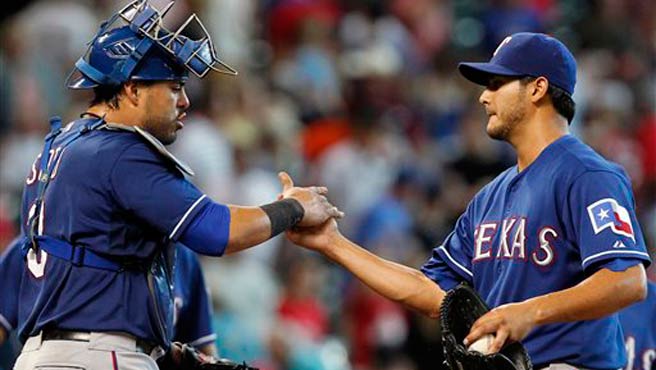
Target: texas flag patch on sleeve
{"type": "Point", "coordinates": [607, 213]}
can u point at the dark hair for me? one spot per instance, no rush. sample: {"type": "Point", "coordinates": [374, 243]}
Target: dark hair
{"type": "Point", "coordinates": [109, 94]}
{"type": "Point", "coordinates": [561, 100]}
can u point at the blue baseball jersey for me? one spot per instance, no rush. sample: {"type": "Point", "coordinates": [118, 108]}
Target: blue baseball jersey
{"type": "Point", "coordinates": [193, 313]}
{"type": "Point", "coordinates": [117, 194]}
{"type": "Point", "coordinates": [11, 277]}
{"type": "Point", "coordinates": [545, 229]}
{"type": "Point", "coordinates": [193, 308]}
{"type": "Point", "coordinates": [639, 325]}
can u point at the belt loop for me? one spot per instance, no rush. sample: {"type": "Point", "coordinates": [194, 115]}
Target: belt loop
{"type": "Point", "coordinates": [33, 343]}
{"type": "Point", "coordinates": [77, 255]}
{"type": "Point", "coordinates": [157, 352]}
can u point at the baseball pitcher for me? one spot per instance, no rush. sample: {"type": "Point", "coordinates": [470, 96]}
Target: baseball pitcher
{"type": "Point", "coordinates": [552, 245]}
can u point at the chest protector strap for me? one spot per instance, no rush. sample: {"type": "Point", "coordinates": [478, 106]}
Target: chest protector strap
{"type": "Point", "coordinates": [77, 255]}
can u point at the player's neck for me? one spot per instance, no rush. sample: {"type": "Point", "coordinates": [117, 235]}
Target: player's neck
{"type": "Point", "coordinates": [120, 115]}
{"type": "Point", "coordinates": [536, 135]}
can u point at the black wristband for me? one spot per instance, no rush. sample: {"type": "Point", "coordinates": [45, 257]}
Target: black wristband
{"type": "Point", "coordinates": [283, 214]}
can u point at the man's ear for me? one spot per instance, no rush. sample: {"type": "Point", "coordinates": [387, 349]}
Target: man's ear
{"type": "Point", "coordinates": [131, 93]}
{"type": "Point", "coordinates": [539, 89]}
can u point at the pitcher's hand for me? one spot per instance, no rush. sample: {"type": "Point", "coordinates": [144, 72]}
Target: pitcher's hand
{"type": "Point", "coordinates": [318, 238]}
{"type": "Point", "coordinates": [508, 323]}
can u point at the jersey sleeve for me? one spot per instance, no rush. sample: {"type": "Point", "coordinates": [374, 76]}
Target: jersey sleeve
{"type": "Point", "coordinates": [11, 272]}
{"type": "Point", "coordinates": [148, 187]}
{"type": "Point", "coordinates": [450, 263]}
{"type": "Point", "coordinates": [209, 232]}
{"type": "Point", "coordinates": [603, 220]}
{"type": "Point", "coordinates": [195, 317]}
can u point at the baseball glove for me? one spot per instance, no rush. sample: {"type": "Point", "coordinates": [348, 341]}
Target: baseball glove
{"type": "Point", "coordinates": [185, 357]}
{"type": "Point", "coordinates": [461, 307]}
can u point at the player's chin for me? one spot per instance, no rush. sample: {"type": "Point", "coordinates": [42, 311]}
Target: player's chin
{"type": "Point", "coordinates": [496, 132]}
{"type": "Point", "coordinates": [173, 133]}
{"type": "Point", "coordinates": [169, 138]}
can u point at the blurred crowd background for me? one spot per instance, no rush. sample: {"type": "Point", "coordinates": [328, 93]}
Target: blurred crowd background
{"type": "Point", "coordinates": [362, 96]}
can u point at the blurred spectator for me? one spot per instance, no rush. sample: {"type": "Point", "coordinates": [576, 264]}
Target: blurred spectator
{"type": "Point", "coordinates": [359, 170]}
{"type": "Point", "coordinates": [300, 308]}
{"type": "Point", "coordinates": [377, 328]}
{"type": "Point", "coordinates": [505, 17]}
{"type": "Point", "coordinates": [205, 148]}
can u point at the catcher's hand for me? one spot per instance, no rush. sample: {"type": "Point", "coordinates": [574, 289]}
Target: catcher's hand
{"type": "Point", "coordinates": [185, 357]}
{"type": "Point", "coordinates": [313, 199]}
{"type": "Point", "coordinates": [461, 307]}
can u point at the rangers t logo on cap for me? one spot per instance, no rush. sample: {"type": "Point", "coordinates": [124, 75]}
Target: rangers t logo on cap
{"type": "Point", "coordinates": [505, 41]}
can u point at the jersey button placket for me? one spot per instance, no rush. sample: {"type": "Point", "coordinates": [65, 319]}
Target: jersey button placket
{"type": "Point", "coordinates": [509, 200]}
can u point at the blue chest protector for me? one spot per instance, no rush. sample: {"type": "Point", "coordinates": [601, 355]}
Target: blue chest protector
{"type": "Point", "coordinates": [158, 268]}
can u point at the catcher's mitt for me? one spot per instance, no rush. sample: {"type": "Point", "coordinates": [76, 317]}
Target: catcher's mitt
{"type": "Point", "coordinates": [185, 357]}
{"type": "Point", "coordinates": [461, 307]}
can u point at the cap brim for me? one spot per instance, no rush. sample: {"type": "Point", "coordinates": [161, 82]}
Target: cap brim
{"type": "Point", "coordinates": [82, 84]}
{"type": "Point", "coordinates": [480, 73]}
{"type": "Point", "coordinates": [78, 81]}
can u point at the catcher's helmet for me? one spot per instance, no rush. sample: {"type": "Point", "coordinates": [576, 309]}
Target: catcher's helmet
{"type": "Point", "coordinates": [144, 50]}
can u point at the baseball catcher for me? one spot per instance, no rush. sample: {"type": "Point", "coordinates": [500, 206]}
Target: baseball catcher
{"type": "Point", "coordinates": [102, 220]}
{"type": "Point", "coordinates": [461, 307]}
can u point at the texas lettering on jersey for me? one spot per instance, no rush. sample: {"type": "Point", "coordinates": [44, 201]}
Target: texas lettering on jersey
{"type": "Point", "coordinates": [512, 245]}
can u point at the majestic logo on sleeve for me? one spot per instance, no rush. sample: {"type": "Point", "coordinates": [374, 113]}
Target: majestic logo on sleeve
{"type": "Point", "coordinates": [607, 213]}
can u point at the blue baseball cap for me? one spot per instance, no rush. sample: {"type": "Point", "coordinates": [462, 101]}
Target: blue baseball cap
{"type": "Point", "coordinates": [527, 54]}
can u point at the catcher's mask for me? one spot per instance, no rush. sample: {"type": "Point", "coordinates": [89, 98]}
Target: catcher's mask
{"type": "Point", "coordinates": [134, 45]}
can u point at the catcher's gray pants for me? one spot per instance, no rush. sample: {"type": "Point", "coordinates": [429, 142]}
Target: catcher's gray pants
{"type": "Point", "coordinates": [102, 351]}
